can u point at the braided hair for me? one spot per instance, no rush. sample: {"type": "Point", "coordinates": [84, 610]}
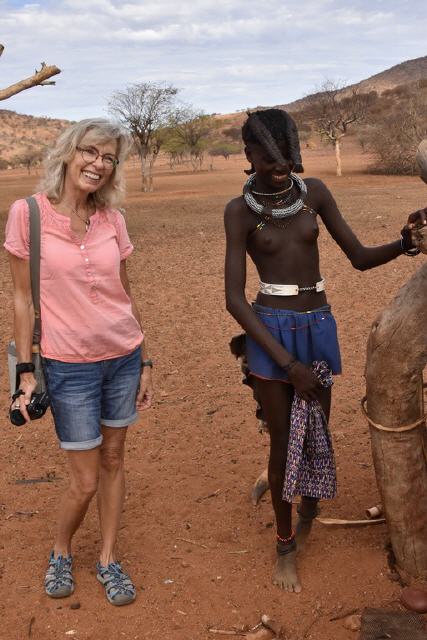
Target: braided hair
{"type": "Point", "coordinates": [269, 128]}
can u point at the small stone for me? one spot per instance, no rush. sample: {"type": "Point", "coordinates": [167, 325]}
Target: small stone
{"type": "Point", "coordinates": [168, 581]}
{"type": "Point", "coordinates": [75, 605]}
{"type": "Point", "coordinates": [184, 564]}
{"type": "Point", "coordinates": [352, 623]}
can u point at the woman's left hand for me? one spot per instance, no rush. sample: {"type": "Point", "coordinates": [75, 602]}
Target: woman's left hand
{"type": "Point", "coordinates": [145, 395]}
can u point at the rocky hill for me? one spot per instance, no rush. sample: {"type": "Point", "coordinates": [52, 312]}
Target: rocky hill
{"type": "Point", "coordinates": [23, 137]}
{"type": "Point", "coordinates": [401, 74]}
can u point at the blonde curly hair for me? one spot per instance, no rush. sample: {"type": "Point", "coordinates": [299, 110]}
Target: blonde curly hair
{"type": "Point", "coordinates": [101, 131]}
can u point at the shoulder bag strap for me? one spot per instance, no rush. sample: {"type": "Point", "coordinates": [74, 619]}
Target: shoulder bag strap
{"type": "Point", "coordinates": [35, 264]}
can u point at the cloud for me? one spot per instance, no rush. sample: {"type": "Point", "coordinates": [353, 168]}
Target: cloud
{"type": "Point", "coordinates": [222, 54]}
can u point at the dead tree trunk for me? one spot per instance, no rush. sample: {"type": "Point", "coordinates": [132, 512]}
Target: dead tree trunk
{"type": "Point", "coordinates": [397, 355]}
{"type": "Point", "coordinates": [39, 78]}
{"type": "Point", "coordinates": [338, 155]}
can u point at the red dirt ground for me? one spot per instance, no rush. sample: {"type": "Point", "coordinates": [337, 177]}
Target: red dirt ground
{"type": "Point", "coordinates": [200, 554]}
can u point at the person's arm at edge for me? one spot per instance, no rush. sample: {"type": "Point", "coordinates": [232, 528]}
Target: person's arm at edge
{"type": "Point", "coordinates": [361, 257]}
{"type": "Point", "coordinates": [23, 325]}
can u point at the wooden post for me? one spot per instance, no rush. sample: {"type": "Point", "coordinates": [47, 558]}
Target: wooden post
{"type": "Point", "coordinates": [397, 355]}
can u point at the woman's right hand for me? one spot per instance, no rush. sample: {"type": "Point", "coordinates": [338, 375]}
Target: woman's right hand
{"type": "Point", "coordinates": [28, 384]}
{"type": "Point", "coordinates": [306, 384]}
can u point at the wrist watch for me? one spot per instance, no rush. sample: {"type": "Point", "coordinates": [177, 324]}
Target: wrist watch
{"type": "Point", "coordinates": [25, 367]}
{"type": "Point", "coordinates": [147, 363]}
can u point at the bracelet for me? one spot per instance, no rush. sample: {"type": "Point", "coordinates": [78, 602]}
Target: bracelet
{"type": "Point", "coordinates": [147, 363]}
{"type": "Point", "coordinates": [414, 251]}
{"type": "Point", "coordinates": [25, 367]}
{"type": "Point", "coordinates": [287, 367]}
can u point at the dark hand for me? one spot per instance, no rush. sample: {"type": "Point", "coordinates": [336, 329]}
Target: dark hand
{"type": "Point", "coordinates": [306, 384]}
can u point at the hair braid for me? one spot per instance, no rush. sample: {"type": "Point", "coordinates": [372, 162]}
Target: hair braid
{"type": "Point", "coordinates": [270, 127]}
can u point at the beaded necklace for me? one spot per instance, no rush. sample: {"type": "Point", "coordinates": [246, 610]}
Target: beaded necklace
{"type": "Point", "coordinates": [277, 211]}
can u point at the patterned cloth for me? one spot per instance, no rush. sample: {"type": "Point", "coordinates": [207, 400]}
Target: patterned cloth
{"type": "Point", "coordinates": [310, 465]}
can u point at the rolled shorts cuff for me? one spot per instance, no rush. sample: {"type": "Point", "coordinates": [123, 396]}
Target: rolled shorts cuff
{"type": "Point", "coordinates": [123, 422]}
{"type": "Point", "coordinates": [82, 446]}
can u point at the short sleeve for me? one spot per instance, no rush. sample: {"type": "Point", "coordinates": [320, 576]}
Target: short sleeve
{"type": "Point", "coordinates": [17, 234]}
{"type": "Point", "coordinates": [125, 245]}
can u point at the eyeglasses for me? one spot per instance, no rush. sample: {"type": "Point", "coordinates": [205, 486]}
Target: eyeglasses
{"type": "Point", "coordinates": [90, 154]}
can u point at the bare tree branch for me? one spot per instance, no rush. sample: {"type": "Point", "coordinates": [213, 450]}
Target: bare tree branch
{"type": "Point", "coordinates": [39, 78]}
{"type": "Point", "coordinates": [145, 109]}
{"type": "Point", "coordinates": [334, 111]}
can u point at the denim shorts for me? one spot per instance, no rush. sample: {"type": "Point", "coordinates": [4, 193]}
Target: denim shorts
{"type": "Point", "coordinates": [307, 335]}
{"type": "Point", "coordinates": [85, 395]}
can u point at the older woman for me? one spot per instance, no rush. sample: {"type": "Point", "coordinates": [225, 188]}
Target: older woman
{"type": "Point", "coordinates": [95, 360]}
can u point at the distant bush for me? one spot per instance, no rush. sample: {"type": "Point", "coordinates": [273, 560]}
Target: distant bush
{"type": "Point", "coordinates": [394, 139]}
{"type": "Point", "coordinates": [3, 164]}
{"type": "Point", "coordinates": [224, 149]}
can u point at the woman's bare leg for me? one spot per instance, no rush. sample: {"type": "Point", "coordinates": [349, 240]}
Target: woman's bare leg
{"type": "Point", "coordinates": [111, 490]}
{"type": "Point", "coordinates": [276, 400]}
{"type": "Point", "coordinates": [76, 499]}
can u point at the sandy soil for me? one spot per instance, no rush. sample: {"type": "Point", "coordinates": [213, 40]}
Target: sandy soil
{"type": "Point", "coordinates": [199, 552]}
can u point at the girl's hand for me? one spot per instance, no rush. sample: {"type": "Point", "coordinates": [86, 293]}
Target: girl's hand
{"type": "Point", "coordinates": [306, 384]}
{"type": "Point", "coordinates": [145, 395]}
{"type": "Point", "coordinates": [28, 384]}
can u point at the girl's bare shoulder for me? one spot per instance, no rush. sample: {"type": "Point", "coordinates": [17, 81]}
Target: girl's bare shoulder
{"type": "Point", "coordinates": [236, 207]}
{"type": "Point", "coordinates": [316, 185]}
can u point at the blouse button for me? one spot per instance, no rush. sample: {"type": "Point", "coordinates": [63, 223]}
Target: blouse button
{"type": "Point", "coordinates": [86, 259]}
{"type": "Point", "coordinates": [82, 246]}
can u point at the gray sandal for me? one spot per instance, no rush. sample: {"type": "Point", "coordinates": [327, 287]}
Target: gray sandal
{"type": "Point", "coordinates": [59, 582]}
{"type": "Point", "coordinates": [119, 588]}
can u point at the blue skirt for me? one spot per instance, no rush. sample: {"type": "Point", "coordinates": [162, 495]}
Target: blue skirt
{"type": "Point", "coordinates": [307, 335]}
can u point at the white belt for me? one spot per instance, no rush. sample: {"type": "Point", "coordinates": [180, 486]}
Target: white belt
{"type": "Point", "coordinates": [289, 289]}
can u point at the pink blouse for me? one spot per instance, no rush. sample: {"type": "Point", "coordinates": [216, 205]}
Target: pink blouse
{"type": "Point", "coordinates": [86, 314]}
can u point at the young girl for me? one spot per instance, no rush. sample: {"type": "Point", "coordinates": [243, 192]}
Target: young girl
{"type": "Point", "coordinates": [290, 326]}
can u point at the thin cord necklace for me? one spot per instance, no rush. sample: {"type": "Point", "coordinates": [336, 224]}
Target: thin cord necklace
{"type": "Point", "coordinates": [85, 220]}
{"type": "Point", "coordinates": [275, 194]}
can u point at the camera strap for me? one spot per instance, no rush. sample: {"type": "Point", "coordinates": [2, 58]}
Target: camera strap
{"type": "Point", "coordinates": [35, 264]}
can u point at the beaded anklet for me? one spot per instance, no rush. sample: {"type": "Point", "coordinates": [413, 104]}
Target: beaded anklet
{"type": "Point", "coordinates": [286, 540]}
{"type": "Point", "coordinates": [286, 545]}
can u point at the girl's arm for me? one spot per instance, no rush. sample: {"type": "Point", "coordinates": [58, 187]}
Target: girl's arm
{"type": "Point", "coordinates": [23, 325]}
{"type": "Point", "coordinates": [361, 257]}
{"type": "Point", "coordinates": [145, 394]}
{"type": "Point", "coordinates": [236, 231]}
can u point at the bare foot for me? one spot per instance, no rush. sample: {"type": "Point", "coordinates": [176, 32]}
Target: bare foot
{"type": "Point", "coordinates": [285, 573]}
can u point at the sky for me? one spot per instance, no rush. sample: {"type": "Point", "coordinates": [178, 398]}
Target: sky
{"type": "Point", "coordinates": [222, 55]}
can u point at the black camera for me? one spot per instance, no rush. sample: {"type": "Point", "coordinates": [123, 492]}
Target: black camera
{"type": "Point", "coordinates": [36, 408]}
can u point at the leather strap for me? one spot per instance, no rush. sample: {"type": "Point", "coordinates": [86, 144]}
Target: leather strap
{"type": "Point", "coordinates": [35, 264]}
